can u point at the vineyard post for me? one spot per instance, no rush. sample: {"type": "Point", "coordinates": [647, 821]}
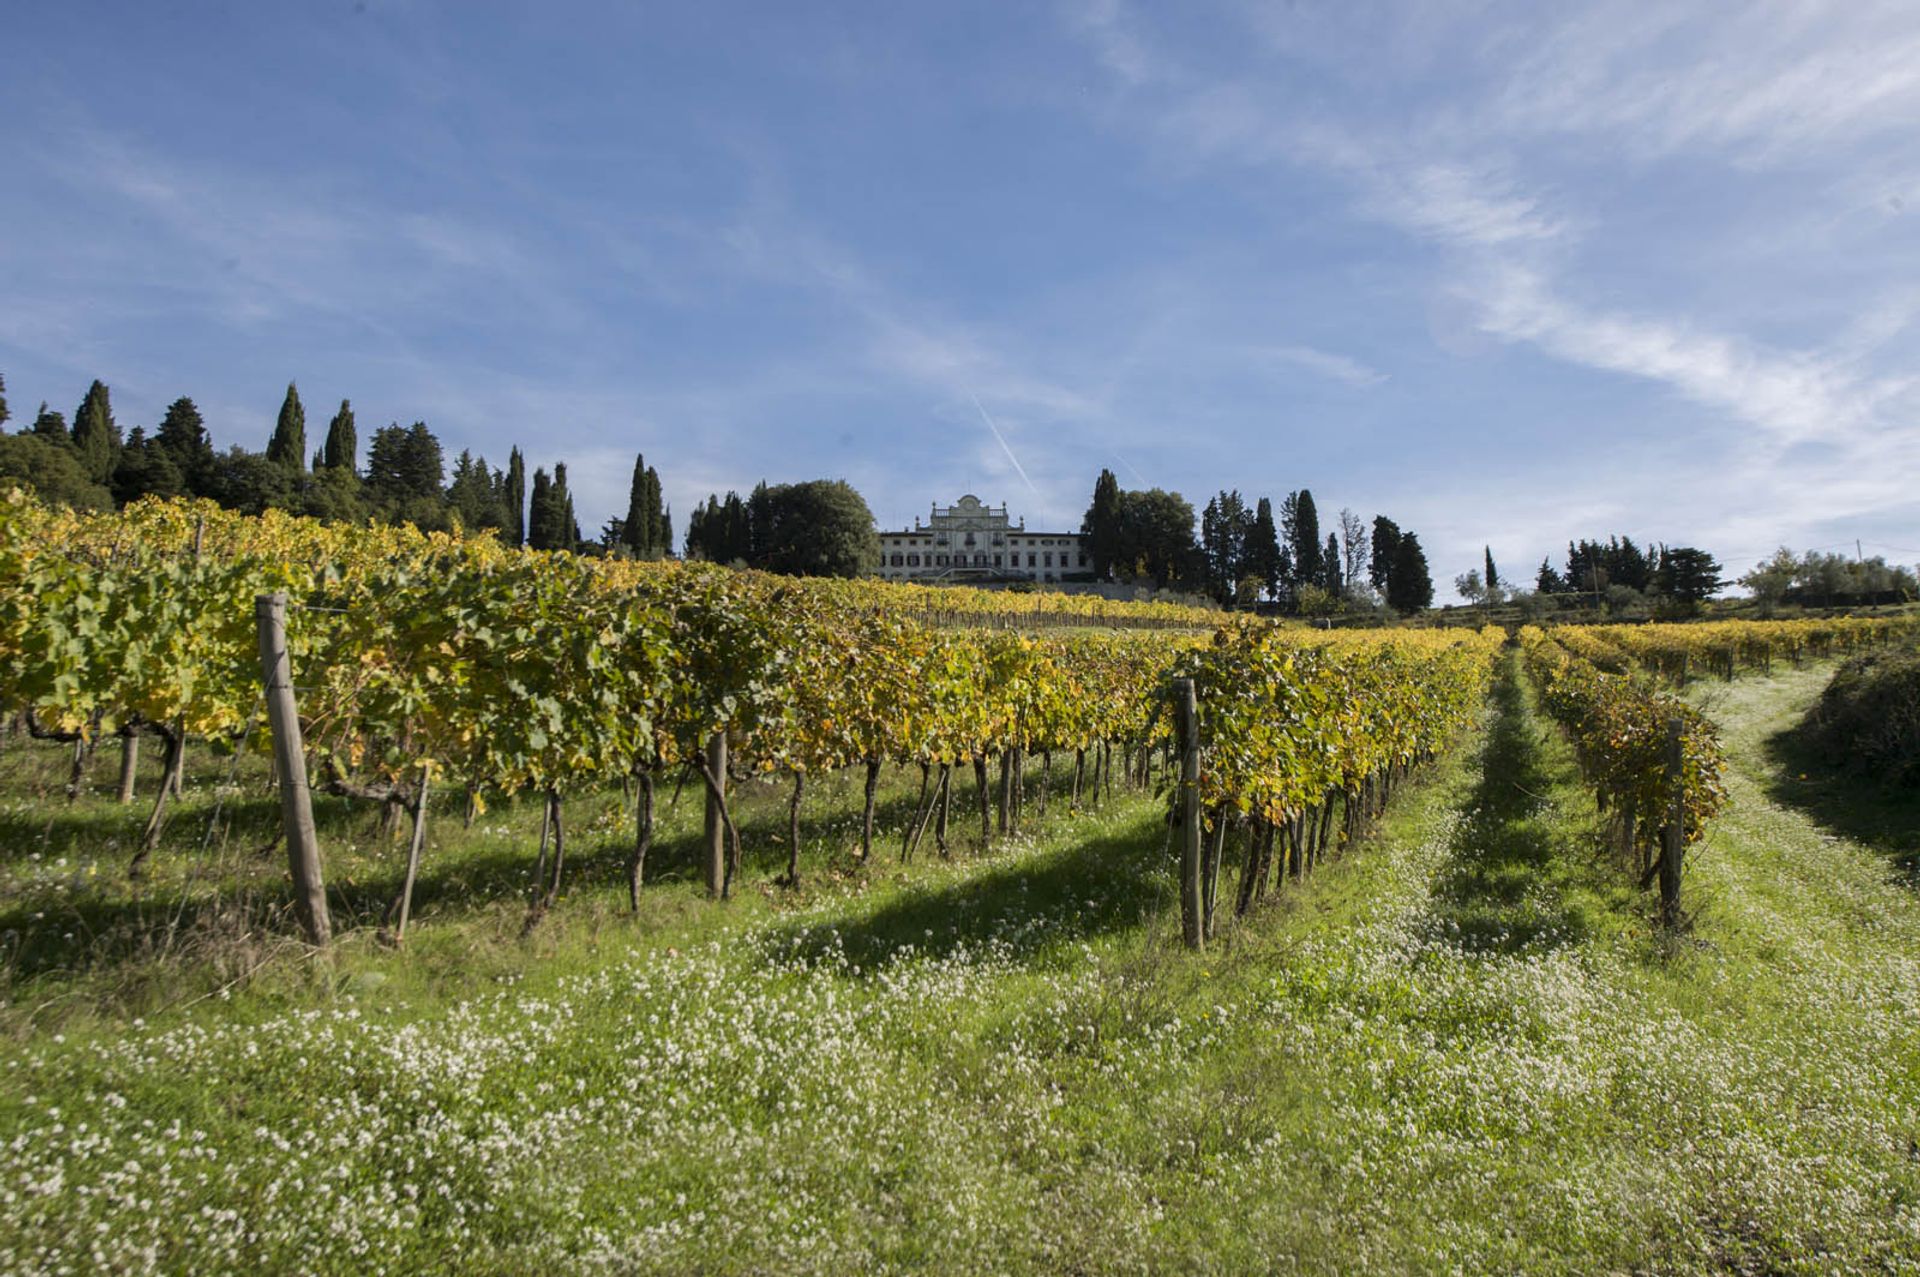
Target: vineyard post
{"type": "Point", "coordinates": [414, 849]}
{"type": "Point", "coordinates": [290, 762]}
{"type": "Point", "coordinates": [129, 763]}
{"type": "Point", "coordinates": [1674, 836]}
{"type": "Point", "coordinates": [1186, 724]}
{"type": "Point", "coordinates": [716, 857]}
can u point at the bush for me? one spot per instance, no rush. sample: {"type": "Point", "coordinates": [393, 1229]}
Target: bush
{"type": "Point", "coordinates": [1869, 716]}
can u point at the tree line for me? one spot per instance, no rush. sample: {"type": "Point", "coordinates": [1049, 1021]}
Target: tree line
{"type": "Point", "coordinates": [91, 465]}
{"type": "Point", "coordinates": [1243, 556]}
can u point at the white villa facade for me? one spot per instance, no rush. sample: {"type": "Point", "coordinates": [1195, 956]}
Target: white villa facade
{"type": "Point", "coordinates": [972, 541]}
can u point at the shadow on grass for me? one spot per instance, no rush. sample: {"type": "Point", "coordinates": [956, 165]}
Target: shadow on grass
{"type": "Point", "coordinates": [1095, 886]}
{"type": "Point", "coordinates": [1507, 888]}
{"type": "Point", "coordinates": [205, 892]}
{"type": "Point", "coordinates": [1845, 802]}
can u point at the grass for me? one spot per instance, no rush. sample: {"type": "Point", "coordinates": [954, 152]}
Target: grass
{"type": "Point", "coordinates": [1459, 1047]}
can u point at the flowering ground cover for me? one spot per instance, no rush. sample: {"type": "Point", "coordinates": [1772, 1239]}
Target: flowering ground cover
{"type": "Point", "coordinates": [1460, 1048]}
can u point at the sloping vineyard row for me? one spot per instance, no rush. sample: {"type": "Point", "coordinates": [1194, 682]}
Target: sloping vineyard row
{"type": "Point", "coordinates": [1644, 773]}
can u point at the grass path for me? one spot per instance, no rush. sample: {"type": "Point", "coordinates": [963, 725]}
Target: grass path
{"type": "Point", "coordinates": [1459, 1048]}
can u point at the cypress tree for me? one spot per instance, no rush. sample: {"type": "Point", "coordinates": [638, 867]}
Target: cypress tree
{"type": "Point", "coordinates": [1330, 566]}
{"type": "Point", "coordinates": [1493, 577]}
{"type": "Point", "coordinates": [516, 499]}
{"type": "Point", "coordinates": [1262, 551]}
{"type": "Point", "coordinates": [541, 513]}
{"type": "Point", "coordinates": [1301, 525]}
{"type": "Point", "coordinates": [95, 437]}
{"type": "Point", "coordinates": [569, 526]}
{"type": "Point", "coordinates": [1102, 526]}
{"type": "Point", "coordinates": [636, 533]}
{"type": "Point", "coordinates": [659, 532]}
{"type": "Point", "coordinates": [3, 399]}
{"type": "Point", "coordinates": [288, 447]}
{"type": "Point", "coordinates": [1411, 588]}
{"type": "Point", "coordinates": [342, 448]}
{"type": "Point", "coordinates": [1386, 544]}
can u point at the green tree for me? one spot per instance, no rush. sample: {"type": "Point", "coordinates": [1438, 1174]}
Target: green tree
{"type": "Point", "coordinates": [1101, 527]}
{"type": "Point", "coordinates": [640, 531]}
{"type": "Point", "coordinates": [1330, 578]}
{"type": "Point", "coordinates": [145, 469]}
{"type": "Point", "coordinates": [516, 494]}
{"type": "Point", "coordinates": [1386, 546]}
{"type": "Point", "coordinates": [1262, 553]}
{"type": "Point", "coordinates": [474, 494]}
{"type": "Point", "coordinates": [288, 447]}
{"type": "Point", "coordinates": [1224, 527]}
{"type": "Point", "coordinates": [50, 470]}
{"type": "Point", "coordinates": [248, 482]}
{"type": "Point", "coordinates": [720, 531]}
{"type": "Point", "coordinates": [819, 528]}
{"type": "Point", "coordinates": [182, 435]}
{"type": "Point", "coordinates": [342, 448]}
{"type": "Point", "coordinates": [3, 400]}
{"type": "Point", "coordinates": [1687, 577]}
{"type": "Point", "coordinates": [95, 436]}
{"type": "Point", "coordinates": [1549, 581]}
{"type": "Point", "coordinates": [1493, 575]}
{"type": "Point", "coordinates": [570, 523]}
{"type": "Point", "coordinates": [544, 530]}
{"type": "Point", "coordinates": [404, 464]}
{"type": "Point", "coordinates": [335, 494]}
{"type": "Point", "coordinates": [1410, 589]}
{"type": "Point", "coordinates": [1772, 578]}
{"type": "Point", "coordinates": [1157, 540]}
{"type": "Point", "coordinates": [1300, 524]}
{"type": "Point", "coordinates": [51, 427]}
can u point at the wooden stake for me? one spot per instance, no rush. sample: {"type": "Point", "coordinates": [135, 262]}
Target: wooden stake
{"type": "Point", "coordinates": [715, 861]}
{"type": "Point", "coordinates": [1186, 712]}
{"type": "Point", "coordinates": [413, 855]}
{"type": "Point", "coordinates": [290, 765]}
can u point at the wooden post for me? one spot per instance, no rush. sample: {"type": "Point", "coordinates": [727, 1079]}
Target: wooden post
{"type": "Point", "coordinates": [413, 855]}
{"type": "Point", "coordinates": [1186, 722]}
{"type": "Point", "coordinates": [290, 765]}
{"type": "Point", "coordinates": [1674, 836]}
{"type": "Point", "coordinates": [129, 764]}
{"type": "Point", "coordinates": [715, 861]}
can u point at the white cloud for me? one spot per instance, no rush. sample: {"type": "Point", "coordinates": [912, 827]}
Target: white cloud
{"type": "Point", "coordinates": [1791, 396]}
{"type": "Point", "coordinates": [1326, 364]}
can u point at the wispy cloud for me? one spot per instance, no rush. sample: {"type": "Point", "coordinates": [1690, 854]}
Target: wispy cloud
{"type": "Point", "coordinates": [1792, 396]}
{"type": "Point", "coordinates": [1325, 363]}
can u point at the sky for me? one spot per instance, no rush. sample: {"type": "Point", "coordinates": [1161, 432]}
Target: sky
{"type": "Point", "coordinates": [1506, 272]}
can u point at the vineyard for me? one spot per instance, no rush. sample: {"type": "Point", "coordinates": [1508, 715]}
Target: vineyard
{"type": "Point", "coordinates": [1058, 932]}
{"type": "Point", "coordinates": [427, 656]}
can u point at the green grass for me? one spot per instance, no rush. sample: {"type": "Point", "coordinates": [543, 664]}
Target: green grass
{"type": "Point", "coordinates": [1459, 1047]}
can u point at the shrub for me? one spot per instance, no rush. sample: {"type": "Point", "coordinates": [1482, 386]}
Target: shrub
{"type": "Point", "coordinates": [1869, 716]}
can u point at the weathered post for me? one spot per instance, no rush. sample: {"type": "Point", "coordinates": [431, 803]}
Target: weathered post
{"type": "Point", "coordinates": [716, 857]}
{"type": "Point", "coordinates": [1186, 716]}
{"type": "Point", "coordinates": [1674, 835]}
{"type": "Point", "coordinates": [290, 764]}
{"type": "Point", "coordinates": [413, 854]}
{"type": "Point", "coordinates": [129, 764]}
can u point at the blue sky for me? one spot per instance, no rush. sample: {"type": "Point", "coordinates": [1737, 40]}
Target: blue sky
{"type": "Point", "coordinates": [1507, 272]}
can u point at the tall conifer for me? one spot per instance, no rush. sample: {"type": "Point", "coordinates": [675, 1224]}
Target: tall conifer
{"type": "Point", "coordinates": [95, 437]}
{"type": "Point", "coordinates": [343, 442]}
{"type": "Point", "coordinates": [288, 447]}
{"type": "Point", "coordinates": [516, 499]}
